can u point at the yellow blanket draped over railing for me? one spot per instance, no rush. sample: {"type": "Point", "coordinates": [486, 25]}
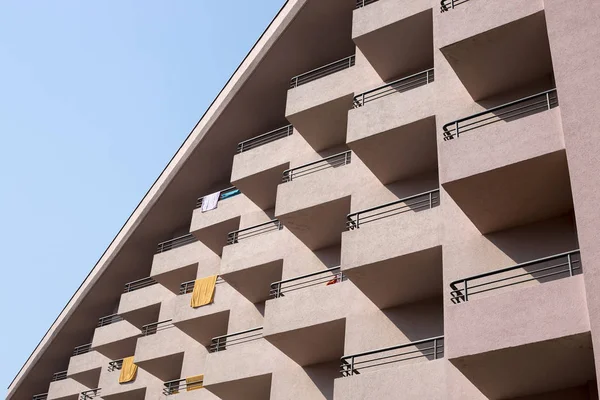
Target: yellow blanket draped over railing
{"type": "Point", "coordinates": [128, 370]}
{"type": "Point", "coordinates": [194, 382]}
{"type": "Point", "coordinates": [204, 291]}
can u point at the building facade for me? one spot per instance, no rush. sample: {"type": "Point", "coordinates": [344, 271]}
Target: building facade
{"type": "Point", "coordinates": [399, 201]}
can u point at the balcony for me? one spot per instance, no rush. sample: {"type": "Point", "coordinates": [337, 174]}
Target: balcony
{"type": "Point", "coordinates": [486, 44]}
{"type": "Point", "coordinates": [211, 227]}
{"type": "Point", "coordinates": [392, 252]}
{"type": "Point", "coordinates": [203, 323]}
{"type": "Point", "coordinates": [187, 388]}
{"type": "Point", "coordinates": [41, 396]}
{"type": "Point", "coordinates": [141, 301]}
{"type": "Point", "coordinates": [522, 330]}
{"type": "Point", "coordinates": [392, 128]}
{"type": "Point", "coordinates": [254, 259]}
{"type": "Point", "coordinates": [85, 365]}
{"type": "Point", "coordinates": [161, 348]}
{"type": "Point", "coordinates": [318, 102]}
{"type": "Point", "coordinates": [314, 199]}
{"type": "Point", "coordinates": [241, 365]}
{"type": "Point", "coordinates": [377, 27]}
{"type": "Point", "coordinates": [115, 337]}
{"type": "Point", "coordinates": [64, 388]}
{"type": "Point", "coordinates": [308, 325]}
{"type": "Point", "coordinates": [260, 161]}
{"type": "Point", "coordinates": [134, 390]}
{"type": "Point", "coordinates": [512, 157]}
{"type": "Point", "coordinates": [181, 264]}
{"type": "Point", "coordinates": [411, 369]}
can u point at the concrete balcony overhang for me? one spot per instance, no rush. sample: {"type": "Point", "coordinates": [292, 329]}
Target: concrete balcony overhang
{"type": "Point", "coordinates": [528, 340]}
{"type": "Point", "coordinates": [309, 325]}
{"type": "Point", "coordinates": [424, 380]}
{"type": "Point", "coordinates": [211, 227]}
{"type": "Point", "coordinates": [397, 259]}
{"type": "Point", "coordinates": [319, 109]}
{"type": "Point", "coordinates": [314, 207]}
{"type": "Point", "coordinates": [111, 389]}
{"type": "Point", "coordinates": [494, 46]}
{"type": "Point", "coordinates": [376, 28]}
{"type": "Point", "coordinates": [161, 354]}
{"type": "Point", "coordinates": [243, 371]}
{"type": "Point", "coordinates": [395, 135]}
{"type": "Point", "coordinates": [142, 306]}
{"type": "Point", "coordinates": [253, 281]}
{"type": "Point", "coordinates": [116, 340]}
{"type": "Point", "coordinates": [204, 323]}
{"type": "Point", "coordinates": [172, 267]}
{"type": "Point", "coordinates": [511, 173]}
{"type": "Point", "coordinates": [66, 389]}
{"type": "Point", "coordinates": [257, 169]}
{"type": "Point", "coordinates": [86, 368]}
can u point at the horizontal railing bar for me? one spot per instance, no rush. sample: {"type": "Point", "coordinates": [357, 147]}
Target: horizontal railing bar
{"type": "Point", "coordinates": [273, 221]}
{"type": "Point", "coordinates": [403, 200]}
{"type": "Point", "coordinates": [386, 85]}
{"type": "Point", "coordinates": [156, 323]}
{"type": "Point", "coordinates": [418, 205]}
{"type": "Point", "coordinates": [517, 266]}
{"type": "Point", "coordinates": [304, 74]}
{"type": "Point", "coordinates": [238, 333]}
{"type": "Point", "coordinates": [274, 284]}
{"type": "Point", "coordinates": [282, 129]}
{"type": "Point", "coordinates": [222, 193]}
{"type": "Point", "coordinates": [319, 161]}
{"type": "Point", "coordinates": [304, 284]}
{"type": "Point", "coordinates": [366, 353]}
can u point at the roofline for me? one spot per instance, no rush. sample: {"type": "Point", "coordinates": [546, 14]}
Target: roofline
{"type": "Point", "coordinates": [284, 16]}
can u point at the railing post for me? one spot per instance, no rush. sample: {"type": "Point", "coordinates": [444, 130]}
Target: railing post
{"type": "Point", "coordinates": [352, 365]}
{"type": "Point", "coordinates": [278, 290]}
{"type": "Point", "coordinates": [430, 199]}
{"type": "Point", "coordinates": [570, 264]}
{"type": "Point", "coordinates": [363, 100]}
{"type": "Point", "coordinates": [452, 3]}
{"type": "Point", "coordinates": [456, 123]}
{"type": "Point", "coordinates": [466, 296]}
{"type": "Point", "coordinates": [548, 99]}
{"type": "Point", "coordinates": [435, 349]}
{"type": "Point", "coordinates": [427, 76]}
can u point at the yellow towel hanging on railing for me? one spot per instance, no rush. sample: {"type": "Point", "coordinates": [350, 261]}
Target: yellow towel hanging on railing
{"type": "Point", "coordinates": [194, 382]}
{"type": "Point", "coordinates": [128, 370]}
{"type": "Point", "coordinates": [204, 291]}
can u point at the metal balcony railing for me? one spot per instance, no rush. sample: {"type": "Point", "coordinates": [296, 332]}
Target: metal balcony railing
{"type": "Point", "coordinates": [139, 284]}
{"type": "Point", "coordinates": [397, 86]}
{"type": "Point", "coordinates": [174, 387]}
{"type": "Point", "coordinates": [174, 243]}
{"type": "Point", "coordinates": [225, 194]}
{"type": "Point", "coordinates": [236, 236]}
{"type": "Point", "coordinates": [90, 394]}
{"type": "Point", "coordinates": [432, 349]}
{"type": "Point", "coordinates": [221, 343]}
{"type": "Point", "coordinates": [84, 348]}
{"type": "Point", "coordinates": [447, 5]}
{"type": "Point", "coordinates": [109, 319]}
{"type": "Point", "coordinates": [553, 267]}
{"type": "Point", "coordinates": [418, 202]}
{"type": "Point", "coordinates": [362, 3]}
{"type": "Point", "coordinates": [506, 112]}
{"type": "Point", "coordinates": [115, 365]}
{"type": "Point", "coordinates": [153, 328]}
{"type": "Point", "coordinates": [334, 161]}
{"type": "Point", "coordinates": [320, 72]}
{"type": "Point", "coordinates": [328, 276]}
{"type": "Point", "coordinates": [188, 287]}
{"type": "Point", "coordinates": [59, 376]}
{"type": "Point", "coordinates": [265, 138]}
{"type": "Point", "coordinates": [41, 396]}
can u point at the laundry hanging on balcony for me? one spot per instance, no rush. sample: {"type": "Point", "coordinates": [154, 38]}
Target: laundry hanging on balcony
{"type": "Point", "coordinates": [128, 370]}
{"type": "Point", "coordinates": [194, 382]}
{"type": "Point", "coordinates": [210, 201]}
{"type": "Point", "coordinates": [204, 291]}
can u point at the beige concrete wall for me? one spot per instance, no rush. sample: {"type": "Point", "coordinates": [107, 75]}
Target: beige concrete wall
{"type": "Point", "coordinates": [65, 389]}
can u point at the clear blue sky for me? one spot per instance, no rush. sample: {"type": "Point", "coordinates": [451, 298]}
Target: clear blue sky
{"type": "Point", "coordinates": [95, 98]}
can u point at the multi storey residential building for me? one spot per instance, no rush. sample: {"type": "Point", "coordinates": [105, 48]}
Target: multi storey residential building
{"type": "Point", "coordinates": [406, 200]}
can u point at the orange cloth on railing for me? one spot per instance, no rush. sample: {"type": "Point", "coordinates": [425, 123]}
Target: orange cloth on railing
{"type": "Point", "coordinates": [334, 280]}
{"type": "Point", "coordinates": [204, 291]}
{"type": "Point", "coordinates": [128, 370]}
{"type": "Point", "coordinates": [194, 382]}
